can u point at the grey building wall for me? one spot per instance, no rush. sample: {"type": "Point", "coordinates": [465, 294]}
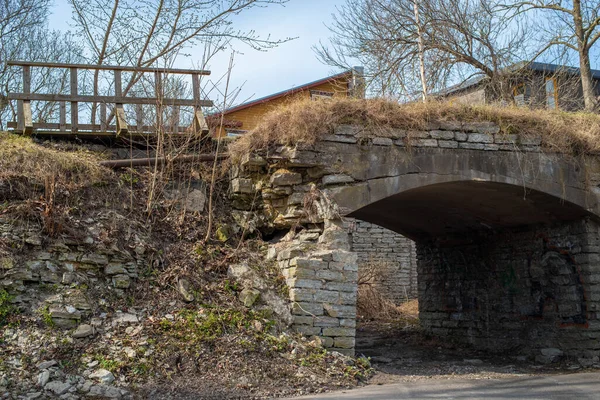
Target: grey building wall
{"type": "Point", "coordinates": [475, 96]}
{"type": "Point", "coordinates": [569, 91]}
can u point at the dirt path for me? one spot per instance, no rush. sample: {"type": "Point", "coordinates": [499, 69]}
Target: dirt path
{"type": "Point", "coordinates": [405, 355]}
{"type": "Point", "coordinates": [580, 386]}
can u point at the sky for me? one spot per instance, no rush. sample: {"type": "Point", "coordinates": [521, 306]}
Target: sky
{"type": "Point", "coordinates": [260, 73]}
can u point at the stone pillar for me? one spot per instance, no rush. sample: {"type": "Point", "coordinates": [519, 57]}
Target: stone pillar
{"type": "Point", "coordinates": [322, 280]}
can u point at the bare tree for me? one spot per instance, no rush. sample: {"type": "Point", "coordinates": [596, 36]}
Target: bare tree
{"type": "Point", "coordinates": [421, 50]}
{"type": "Point", "coordinates": [16, 18]}
{"type": "Point", "coordinates": [155, 32]}
{"type": "Point", "coordinates": [459, 39]}
{"type": "Point", "coordinates": [572, 24]}
{"type": "Point", "coordinates": [24, 36]}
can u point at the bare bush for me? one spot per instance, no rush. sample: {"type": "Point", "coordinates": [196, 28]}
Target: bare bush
{"type": "Point", "coordinates": [372, 303]}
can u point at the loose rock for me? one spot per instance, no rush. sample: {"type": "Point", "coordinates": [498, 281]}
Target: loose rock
{"type": "Point", "coordinates": [43, 378]}
{"type": "Point", "coordinates": [57, 387]}
{"type": "Point", "coordinates": [84, 331]}
{"type": "Point", "coordinates": [249, 296]}
{"type": "Point", "coordinates": [103, 376]}
{"type": "Point", "coordinates": [184, 288]}
{"type": "Point", "coordinates": [46, 364]}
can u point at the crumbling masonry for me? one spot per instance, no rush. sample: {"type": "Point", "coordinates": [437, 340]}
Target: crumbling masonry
{"type": "Point", "coordinates": [506, 232]}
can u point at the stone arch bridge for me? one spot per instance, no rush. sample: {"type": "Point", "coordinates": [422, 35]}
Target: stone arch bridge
{"type": "Point", "coordinates": [507, 232]}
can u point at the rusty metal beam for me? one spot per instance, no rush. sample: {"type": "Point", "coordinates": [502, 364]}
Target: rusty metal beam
{"type": "Point", "coordinates": [149, 162]}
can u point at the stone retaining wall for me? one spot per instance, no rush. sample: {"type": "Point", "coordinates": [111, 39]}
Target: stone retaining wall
{"type": "Point", "coordinates": [446, 135]}
{"type": "Point", "coordinates": [48, 274]}
{"type": "Point", "coordinates": [533, 292]}
{"type": "Point", "coordinates": [393, 255]}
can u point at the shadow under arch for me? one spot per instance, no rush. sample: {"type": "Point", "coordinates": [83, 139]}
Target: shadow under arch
{"type": "Point", "coordinates": [462, 206]}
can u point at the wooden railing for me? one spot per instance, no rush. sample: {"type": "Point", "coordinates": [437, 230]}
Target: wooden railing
{"type": "Point", "coordinates": [25, 124]}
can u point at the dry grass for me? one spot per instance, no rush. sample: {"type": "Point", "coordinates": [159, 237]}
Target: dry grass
{"type": "Point", "coordinates": [45, 185]}
{"type": "Point", "coordinates": [410, 310]}
{"type": "Point", "coordinates": [305, 121]}
{"type": "Point", "coordinates": [372, 304]}
{"type": "Point", "coordinates": [20, 157]}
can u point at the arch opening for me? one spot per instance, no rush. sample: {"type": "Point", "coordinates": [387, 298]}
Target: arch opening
{"type": "Point", "coordinates": [467, 206]}
{"type": "Point", "coordinates": [500, 267]}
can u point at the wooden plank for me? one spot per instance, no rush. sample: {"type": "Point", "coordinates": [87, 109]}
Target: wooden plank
{"type": "Point", "coordinates": [27, 120]}
{"type": "Point", "coordinates": [102, 116]}
{"type": "Point", "coordinates": [119, 110]}
{"type": "Point", "coordinates": [122, 128]}
{"type": "Point", "coordinates": [158, 87]}
{"type": "Point", "coordinates": [26, 79]}
{"type": "Point", "coordinates": [63, 116]}
{"type": "Point", "coordinates": [196, 89]}
{"type": "Point", "coordinates": [109, 67]}
{"type": "Point", "coordinates": [107, 99]}
{"type": "Point", "coordinates": [88, 134]}
{"type": "Point", "coordinates": [20, 119]}
{"type": "Point", "coordinates": [158, 92]}
{"type": "Point", "coordinates": [139, 116]}
{"type": "Point", "coordinates": [199, 125]}
{"type": "Point", "coordinates": [175, 117]}
{"type": "Point", "coordinates": [118, 82]}
{"type": "Point", "coordinates": [74, 105]}
{"type": "Point", "coordinates": [87, 127]}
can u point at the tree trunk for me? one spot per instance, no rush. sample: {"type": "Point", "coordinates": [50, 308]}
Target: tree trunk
{"type": "Point", "coordinates": [587, 85]}
{"type": "Point", "coordinates": [421, 52]}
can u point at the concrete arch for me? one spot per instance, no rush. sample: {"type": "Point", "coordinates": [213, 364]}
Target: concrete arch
{"type": "Point", "coordinates": [497, 189]}
{"type": "Point", "coordinates": [466, 206]}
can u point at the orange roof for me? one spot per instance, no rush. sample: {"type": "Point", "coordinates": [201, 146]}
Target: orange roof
{"type": "Point", "coordinates": [297, 89]}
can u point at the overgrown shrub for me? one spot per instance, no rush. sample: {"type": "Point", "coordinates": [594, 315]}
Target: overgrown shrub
{"type": "Point", "coordinates": [372, 303]}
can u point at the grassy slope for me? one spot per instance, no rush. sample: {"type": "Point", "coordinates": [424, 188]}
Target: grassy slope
{"type": "Point", "coordinates": [213, 345]}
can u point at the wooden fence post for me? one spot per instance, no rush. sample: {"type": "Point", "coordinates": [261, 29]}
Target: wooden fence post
{"type": "Point", "coordinates": [74, 104]}
{"type": "Point", "coordinates": [27, 119]}
{"type": "Point", "coordinates": [199, 125]}
{"type": "Point", "coordinates": [122, 127]}
{"type": "Point", "coordinates": [158, 87]}
{"type": "Point", "coordinates": [139, 118]}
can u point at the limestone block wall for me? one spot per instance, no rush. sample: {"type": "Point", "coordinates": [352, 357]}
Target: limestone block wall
{"type": "Point", "coordinates": [322, 281]}
{"type": "Point", "coordinates": [491, 289]}
{"type": "Point", "coordinates": [524, 291]}
{"type": "Point", "coordinates": [393, 255]}
{"type": "Point", "coordinates": [49, 274]}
